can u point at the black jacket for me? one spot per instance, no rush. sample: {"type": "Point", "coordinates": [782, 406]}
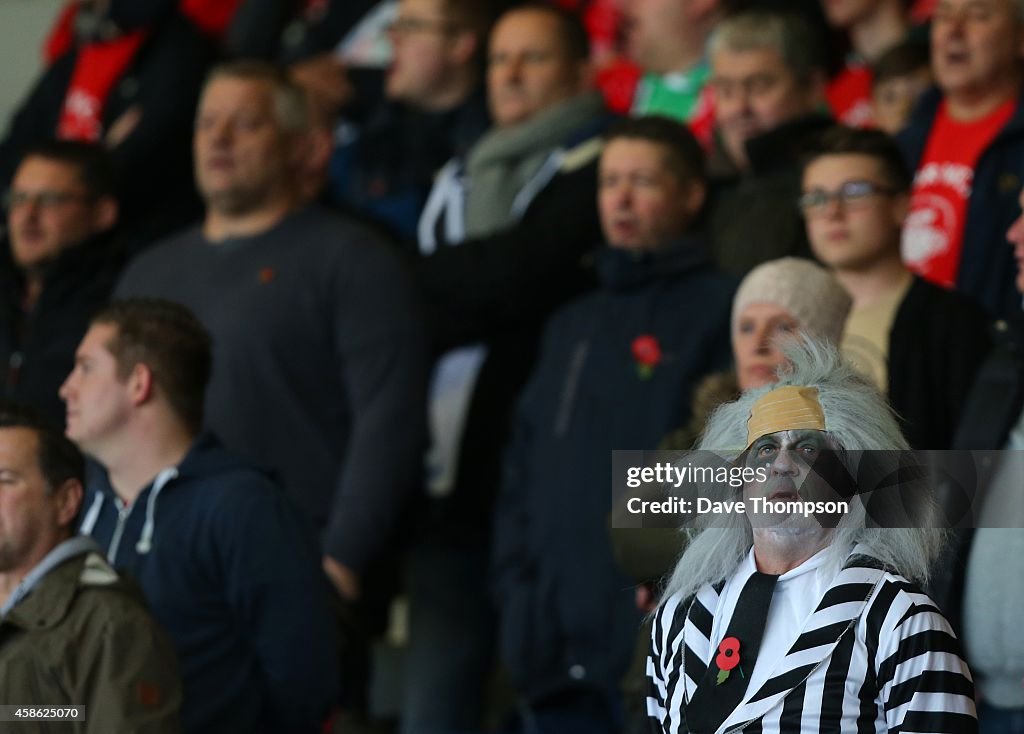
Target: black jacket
{"type": "Point", "coordinates": [754, 216]}
{"type": "Point", "coordinates": [939, 339]}
{"type": "Point", "coordinates": [499, 282]}
{"type": "Point", "coordinates": [386, 171]}
{"type": "Point", "coordinates": [154, 162]}
{"type": "Point", "coordinates": [568, 616]}
{"type": "Point", "coordinates": [37, 348]}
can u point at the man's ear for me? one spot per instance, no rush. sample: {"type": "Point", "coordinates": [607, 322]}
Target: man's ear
{"type": "Point", "coordinates": [694, 197]}
{"type": "Point", "coordinates": [105, 213]}
{"type": "Point", "coordinates": [141, 386]}
{"type": "Point", "coordinates": [464, 46]}
{"type": "Point", "coordinates": [900, 207]}
{"type": "Point", "coordinates": [68, 498]}
{"type": "Point", "coordinates": [817, 82]}
{"type": "Point", "coordinates": [585, 76]}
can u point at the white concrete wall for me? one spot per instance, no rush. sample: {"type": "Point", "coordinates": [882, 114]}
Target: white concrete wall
{"type": "Point", "coordinates": [23, 25]}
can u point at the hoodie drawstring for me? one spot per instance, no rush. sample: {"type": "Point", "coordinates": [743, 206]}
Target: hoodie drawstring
{"type": "Point", "coordinates": [145, 543]}
{"type": "Point", "coordinates": [92, 515]}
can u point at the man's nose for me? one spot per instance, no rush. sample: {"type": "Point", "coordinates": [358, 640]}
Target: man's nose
{"type": "Point", "coordinates": [221, 132]}
{"type": "Point", "coordinates": [833, 207]}
{"type": "Point", "coordinates": [1015, 234]}
{"type": "Point", "coordinates": [784, 462]}
{"type": "Point", "coordinates": [514, 71]}
{"type": "Point", "coordinates": [623, 196]}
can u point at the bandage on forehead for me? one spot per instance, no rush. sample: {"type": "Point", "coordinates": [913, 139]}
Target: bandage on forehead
{"type": "Point", "coordinates": [788, 408]}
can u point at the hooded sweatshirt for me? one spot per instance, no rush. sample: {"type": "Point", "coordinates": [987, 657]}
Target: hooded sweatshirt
{"type": "Point", "coordinates": [228, 568]}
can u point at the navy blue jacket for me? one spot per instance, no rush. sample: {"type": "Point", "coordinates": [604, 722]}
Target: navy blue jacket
{"type": "Point", "coordinates": [987, 269]}
{"type": "Point", "coordinates": [568, 618]}
{"type": "Point", "coordinates": [229, 570]}
{"type": "Point", "coordinates": [385, 170]}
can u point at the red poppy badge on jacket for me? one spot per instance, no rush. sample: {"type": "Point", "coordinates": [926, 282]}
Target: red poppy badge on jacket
{"type": "Point", "coordinates": [647, 354]}
{"type": "Point", "coordinates": [728, 658]}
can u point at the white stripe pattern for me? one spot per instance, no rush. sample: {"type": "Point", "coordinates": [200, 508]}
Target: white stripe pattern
{"type": "Point", "coordinates": [875, 656]}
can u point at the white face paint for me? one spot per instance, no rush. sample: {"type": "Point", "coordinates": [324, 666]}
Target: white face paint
{"type": "Point", "coordinates": [788, 457]}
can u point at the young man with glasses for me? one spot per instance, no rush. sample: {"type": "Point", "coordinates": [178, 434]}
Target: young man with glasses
{"type": "Point", "coordinates": [920, 344]}
{"type": "Point", "coordinates": [59, 268]}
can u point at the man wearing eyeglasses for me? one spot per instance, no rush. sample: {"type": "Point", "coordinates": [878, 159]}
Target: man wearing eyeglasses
{"type": "Point", "coordinates": [58, 267]}
{"type": "Point", "coordinates": [768, 80]}
{"type": "Point", "coordinates": [433, 108]}
{"type": "Point", "coordinates": [921, 344]}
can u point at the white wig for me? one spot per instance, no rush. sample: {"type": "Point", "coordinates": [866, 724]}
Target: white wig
{"type": "Point", "coordinates": [857, 417]}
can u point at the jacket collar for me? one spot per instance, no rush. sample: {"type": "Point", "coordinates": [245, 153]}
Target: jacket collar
{"type": "Point", "coordinates": [619, 269]}
{"type": "Point", "coordinates": [37, 604]}
{"type": "Point", "coordinates": [835, 616]}
{"type": "Point", "coordinates": [914, 136]}
{"type": "Point", "coordinates": [783, 146]}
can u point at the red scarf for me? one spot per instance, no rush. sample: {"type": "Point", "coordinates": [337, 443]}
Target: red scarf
{"type": "Point", "coordinates": [98, 66]}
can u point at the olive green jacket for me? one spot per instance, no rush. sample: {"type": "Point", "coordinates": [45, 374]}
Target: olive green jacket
{"type": "Point", "coordinates": [82, 636]}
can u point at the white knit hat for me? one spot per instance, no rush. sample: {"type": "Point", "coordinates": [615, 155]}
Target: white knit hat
{"type": "Point", "coordinates": [806, 290]}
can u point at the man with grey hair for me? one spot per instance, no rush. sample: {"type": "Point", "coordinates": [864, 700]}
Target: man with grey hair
{"type": "Point", "coordinates": [767, 72]}
{"type": "Point", "coordinates": [780, 623]}
{"type": "Point", "coordinates": [965, 144]}
{"type": "Point", "coordinates": [318, 353]}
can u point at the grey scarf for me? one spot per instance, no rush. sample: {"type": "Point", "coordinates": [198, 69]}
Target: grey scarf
{"type": "Point", "coordinates": [506, 159]}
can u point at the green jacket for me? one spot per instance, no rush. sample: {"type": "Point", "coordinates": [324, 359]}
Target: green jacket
{"type": "Point", "coordinates": [82, 636]}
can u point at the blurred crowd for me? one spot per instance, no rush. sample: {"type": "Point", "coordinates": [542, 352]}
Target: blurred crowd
{"type": "Point", "coordinates": [346, 303]}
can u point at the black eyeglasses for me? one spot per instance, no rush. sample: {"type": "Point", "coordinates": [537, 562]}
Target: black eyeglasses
{"type": "Point", "coordinates": [850, 194]}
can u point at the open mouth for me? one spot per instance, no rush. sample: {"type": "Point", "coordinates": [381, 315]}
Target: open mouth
{"type": "Point", "coordinates": [956, 57]}
{"type": "Point", "coordinates": [785, 495]}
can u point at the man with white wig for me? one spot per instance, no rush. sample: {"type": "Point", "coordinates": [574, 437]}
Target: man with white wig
{"type": "Point", "coordinates": [796, 627]}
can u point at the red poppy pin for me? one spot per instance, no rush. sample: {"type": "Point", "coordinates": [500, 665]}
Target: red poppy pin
{"type": "Point", "coordinates": [647, 355]}
{"type": "Point", "coordinates": [728, 658]}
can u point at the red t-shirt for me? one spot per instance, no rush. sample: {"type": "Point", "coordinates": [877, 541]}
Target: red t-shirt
{"type": "Point", "coordinates": [849, 95]}
{"type": "Point", "coordinates": [934, 229]}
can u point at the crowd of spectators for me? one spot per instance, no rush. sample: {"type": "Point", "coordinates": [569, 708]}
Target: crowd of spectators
{"type": "Point", "coordinates": [347, 304]}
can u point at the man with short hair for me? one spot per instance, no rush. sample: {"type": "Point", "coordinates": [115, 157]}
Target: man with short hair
{"type": "Point", "coordinates": [223, 557]}
{"type": "Point", "coordinates": [920, 344]}
{"type": "Point", "coordinates": [546, 118]}
{"type": "Point", "coordinates": [434, 108]}
{"type": "Point", "coordinates": [965, 144]}
{"type": "Point", "coordinates": [615, 371]}
{"type": "Point", "coordinates": [60, 267]}
{"type": "Point", "coordinates": [72, 632]}
{"type": "Point", "coordinates": [318, 345]}
{"type": "Point", "coordinates": [767, 72]}
{"type": "Point", "coordinates": [777, 622]}
{"type": "Point", "coordinates": [542, 100]}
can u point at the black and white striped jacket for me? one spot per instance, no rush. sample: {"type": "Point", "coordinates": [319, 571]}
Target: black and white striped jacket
{"type": "Point", "coordinates": [876, 655]}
